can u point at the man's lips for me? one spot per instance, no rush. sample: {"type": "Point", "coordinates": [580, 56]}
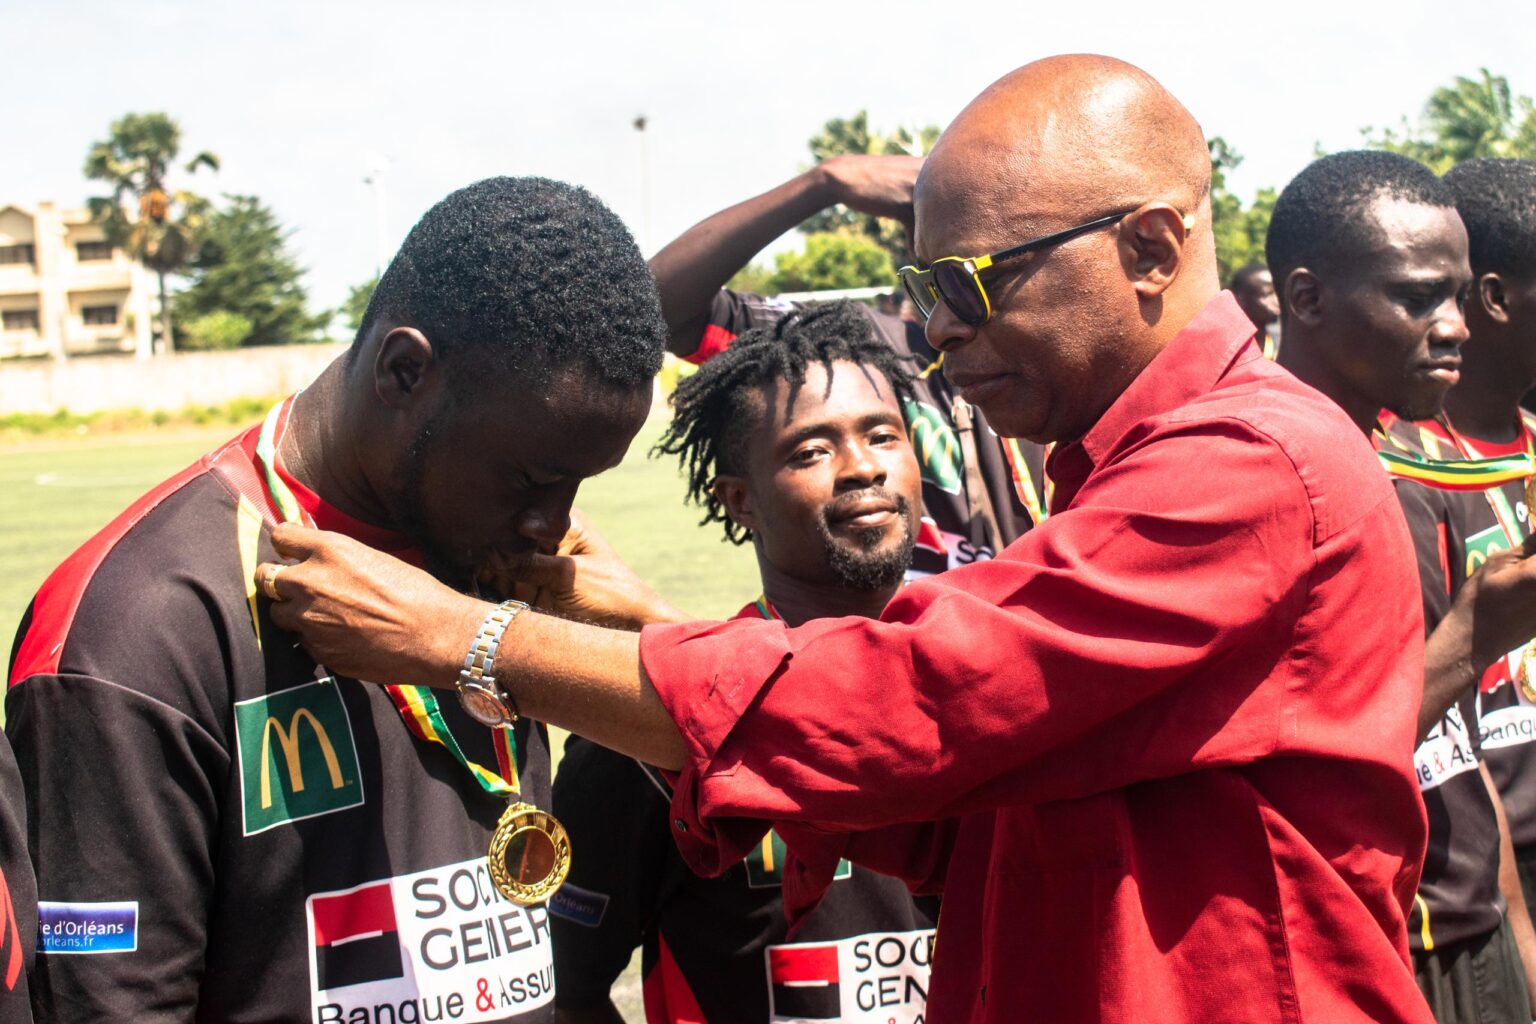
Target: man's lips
{"type": "Point", "coordinates": [863, 513]}
{"type": "Point", "coordinates": [1445, 370]}
{"type": "Point", "coordinates": [973, 387]}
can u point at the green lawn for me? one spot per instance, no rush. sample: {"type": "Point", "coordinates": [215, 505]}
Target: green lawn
{"type": "Point", "coordinates": [56, 493]}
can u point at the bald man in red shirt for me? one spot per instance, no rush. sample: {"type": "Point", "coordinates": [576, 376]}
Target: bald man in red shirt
{"type": "Point", "coordinates": [1157, 754]}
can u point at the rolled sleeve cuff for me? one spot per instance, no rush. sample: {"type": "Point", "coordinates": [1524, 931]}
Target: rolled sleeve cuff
{"type": "Point", "coordinates": [708, 675]}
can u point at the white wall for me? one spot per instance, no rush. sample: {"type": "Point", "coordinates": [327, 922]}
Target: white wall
{"type": "Point", "coordinates": [97, 383]}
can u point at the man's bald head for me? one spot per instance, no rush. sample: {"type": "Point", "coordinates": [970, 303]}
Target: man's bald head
{"type": "Point", "coordinates": [1057, 144]}
{"type": "Point", "coordinates": [1070, 136]}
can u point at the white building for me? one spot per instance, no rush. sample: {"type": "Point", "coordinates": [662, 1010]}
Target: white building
{"type": "Point", "coordinates": [64, 291]}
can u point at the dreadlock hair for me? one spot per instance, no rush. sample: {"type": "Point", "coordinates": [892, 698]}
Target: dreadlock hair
{"type": "Point", "coordinates": [714, 411]}
{"type": "Point", "coordinates": [524, 277]}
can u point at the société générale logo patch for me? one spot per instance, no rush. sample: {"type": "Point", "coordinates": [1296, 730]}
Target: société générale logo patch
{"type": "Point", "coordinates": [936, 446]}
{"type": "Point", "coordinates": [297, 756]}
{"type": "Point", "coordinates": [434, 945]}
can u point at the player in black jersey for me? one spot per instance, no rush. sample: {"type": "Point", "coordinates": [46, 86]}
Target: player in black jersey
{"type": "Point", "coordinates": [980, 491]}
{"type": "Point", "coordinates": [1497, 203]}
{"type": "Point", "coordinates": [793, 440]}
{"type": "Point", "coordinates": [224, 830]}
{"type": "Point", "coordinates": [1371, 260]}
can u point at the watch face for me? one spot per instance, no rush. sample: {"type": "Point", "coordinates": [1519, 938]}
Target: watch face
{"type": "Point", "coordinates": [483, 706]}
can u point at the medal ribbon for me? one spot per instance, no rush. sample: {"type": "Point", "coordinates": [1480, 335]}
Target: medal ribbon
{"type": "Point", "coordinates": [1456, 474]}
{"type": "Point", "coordinates": [1497, 501]}
{"type": "Point", "coordinates": [417, 705]}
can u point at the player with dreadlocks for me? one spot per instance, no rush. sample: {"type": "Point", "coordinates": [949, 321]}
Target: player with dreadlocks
{"type": "Point", "coordinates": [793, 439]}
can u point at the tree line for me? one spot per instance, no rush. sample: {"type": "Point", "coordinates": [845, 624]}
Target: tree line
{"type": "Point", "coordinates": [244, 287]}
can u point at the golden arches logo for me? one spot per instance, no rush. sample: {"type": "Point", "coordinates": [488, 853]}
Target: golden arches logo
{"type": "Point", "coordinates": [288, 742]}
{"type": "Point", "coordinates": [935, 444]}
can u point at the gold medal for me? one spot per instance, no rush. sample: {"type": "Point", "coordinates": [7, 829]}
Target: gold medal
{"type": "Point", "coordinates": [530, 854]}
{"type": "Point", "coordinates": [1530, 496]}
{"type": "Point", "coordinates": [1526, 674]}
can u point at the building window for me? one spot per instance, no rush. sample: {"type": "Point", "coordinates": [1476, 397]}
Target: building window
{"type": "Point", "coordinates": [93, 251]}
{"type": "Point", "coordinates": [19, 319]}
{"type": "Point", "coordinates": [99, 316]}
{"type": "Point", "coordinates": [23, 253]}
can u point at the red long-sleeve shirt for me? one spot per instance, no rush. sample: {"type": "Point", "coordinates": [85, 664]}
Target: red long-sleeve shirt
{"type": "Point", "coordinates": [1157, 755]}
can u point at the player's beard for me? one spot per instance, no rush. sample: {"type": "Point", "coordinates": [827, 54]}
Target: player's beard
{"type": "Point", "coordinates": [858, 562]}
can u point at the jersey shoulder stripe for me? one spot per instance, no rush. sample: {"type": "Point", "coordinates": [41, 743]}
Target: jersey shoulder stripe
{"type": "Point", "coordinates": [52, 615]}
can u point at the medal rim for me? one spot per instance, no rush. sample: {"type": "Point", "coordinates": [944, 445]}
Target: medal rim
{"type": "Point", "coordinates": [517, 817]}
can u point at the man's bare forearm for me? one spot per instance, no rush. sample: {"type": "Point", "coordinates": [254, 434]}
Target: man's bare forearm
{"type": "Point", "coordinates": [586, 679]}
{"type": "Point", "coordinates": [1450, 666]}
{"type": "Point", "coordinates": [691, 269]}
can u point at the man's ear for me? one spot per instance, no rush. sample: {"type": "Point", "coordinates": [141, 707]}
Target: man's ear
{"type": "Point", "coordinates": [1152, 244]}
{"type": "Point", "coordinates": [1302, 297]}
{"type": "Point", "coordinates": [736, 496]}
{"type": "Point", "coordinates": [1493, 297]}
{"type": "Point", "coordinates": [403, 366]}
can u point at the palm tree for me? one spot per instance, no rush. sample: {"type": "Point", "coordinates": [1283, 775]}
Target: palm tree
{"type": "Point", "coordinates": [1473, 118]}
{"type": "Point", "coordinates": [159, 227]}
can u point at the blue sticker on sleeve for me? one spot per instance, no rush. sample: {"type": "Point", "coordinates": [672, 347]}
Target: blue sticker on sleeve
{"type": "Point", "coordinates": [578, 905]}
{"type": "Point", "coordinates": [87, 927]}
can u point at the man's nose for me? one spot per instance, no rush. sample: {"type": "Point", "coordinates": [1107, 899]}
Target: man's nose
{"type": "Point", "coordinates": [945, 331]}
{"type": "Point", "coordinates": [1451, 325]}
{"type": "Point", "coordinates": [547, 519]}
{"type": "Point", "coordinates": [860, 468]}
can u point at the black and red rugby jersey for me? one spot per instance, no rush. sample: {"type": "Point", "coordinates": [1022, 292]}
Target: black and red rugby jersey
{"type": "Point", "coordinates": [1012, 472]}
{"type": "Point", "coordinates": [18, 896]}
{"type": "Point", "coordinates": [1453, 531]}
{"type": "Point", "coordinates": [231, 833]}
{"type": "Point", "coordinates": [718, 950]}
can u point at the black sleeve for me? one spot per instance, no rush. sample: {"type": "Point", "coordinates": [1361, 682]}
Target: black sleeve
{"type": "Point", "coordinates": [122, 797]}
{"type": "Point", "coordinates": [617, 821]}
{"type": "Point", "coordinates": [18, 896]}
{"type": "Point", "coordinates": [1428, 522]}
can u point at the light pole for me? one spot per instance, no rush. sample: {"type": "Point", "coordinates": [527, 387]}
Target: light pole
{"type": "Point", "coordinates": [640, 124]}
{"type": "Point", "coordinates": [377, 166]}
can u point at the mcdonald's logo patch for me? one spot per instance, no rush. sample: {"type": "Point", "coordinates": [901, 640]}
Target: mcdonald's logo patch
{"type": "Point", "coordinates": [937, 448]}
{"type": "Point", "coordinates": [296, 755]}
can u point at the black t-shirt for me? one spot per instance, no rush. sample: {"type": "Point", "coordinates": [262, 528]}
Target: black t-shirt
{"type": "Point", "coordinates": [1012, 473]}
{"type": "Point", "coordinates": [18, 896]}
{"type": "Point", "coordinates": [228, 832]}
{"type": "Point", "coordinates": [1458, 895]}
{"type": "Point", "coordinates": [717, 949]}
{"type": "Point", "coordinates": [1507, 693]}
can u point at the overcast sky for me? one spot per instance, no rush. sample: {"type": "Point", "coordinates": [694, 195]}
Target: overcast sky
{"type": "Point", "coordinates": [299, 98]}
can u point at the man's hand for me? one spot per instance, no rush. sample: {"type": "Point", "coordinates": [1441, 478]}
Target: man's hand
{"type": "Point", "coordinates": [365, 614]}
{"type": "Point", "coordinates": [584, 580]}
{"type": "Point", "coordinates": [1494, 613]}
{"type": "Point", "coordinates": [1503, 602]}
{"type": "Point", "coordinates": [877, 185]}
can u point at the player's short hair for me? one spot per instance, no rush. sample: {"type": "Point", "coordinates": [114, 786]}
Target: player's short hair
{"type": "Point", "coordinates": [1497, 203]}
{"type": "Point", "coordinates": [525, 276]}
{"type": "Point", "coordinates": [715, 410]}
{"type": "Point", "coordinates": [1243, 276]}
{"type": "Point", "coordinates": [1322, 219]}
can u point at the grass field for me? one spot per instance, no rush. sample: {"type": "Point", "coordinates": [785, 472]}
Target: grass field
{"type": "Point", "coordinates": [55, 493]}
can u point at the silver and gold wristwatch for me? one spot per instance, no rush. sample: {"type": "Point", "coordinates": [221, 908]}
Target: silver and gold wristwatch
{"type": "Point", "coordinates": [479, 695]}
